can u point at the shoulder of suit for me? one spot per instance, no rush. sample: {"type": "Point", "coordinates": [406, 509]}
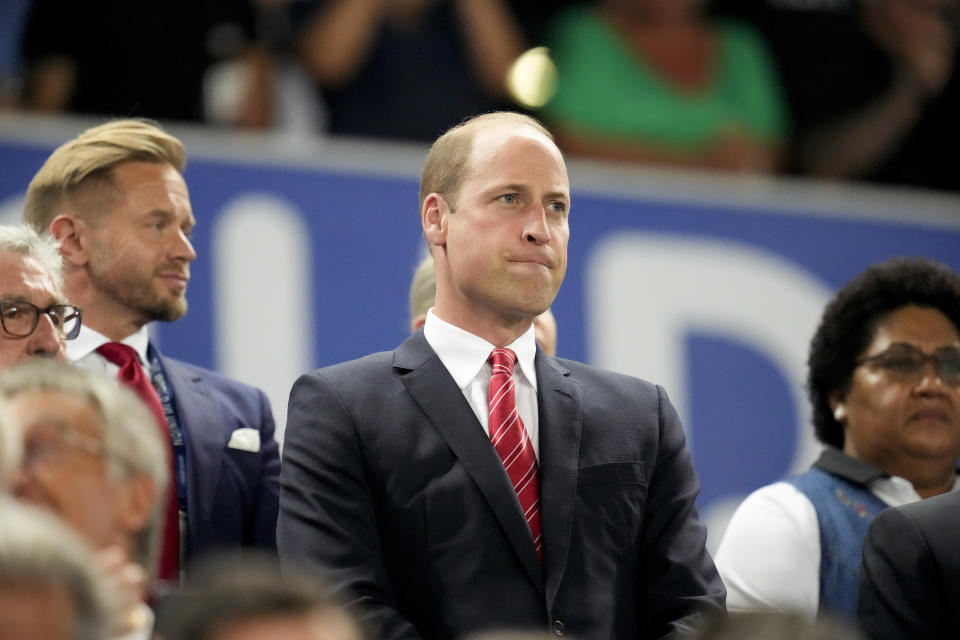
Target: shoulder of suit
{"type": "Point", "coordinates": [381, 361]}
{"type": "Point", "coordinates": [582, 372]}
{"type": "Point", "coordinates": [205, 376]}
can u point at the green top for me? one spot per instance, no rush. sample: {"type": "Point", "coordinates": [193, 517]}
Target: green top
{"type": "Point", "coordinates": [606, 89]}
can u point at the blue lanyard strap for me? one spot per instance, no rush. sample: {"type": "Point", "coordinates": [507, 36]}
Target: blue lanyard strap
{"type": "Point", "coordinates": [159, 380]}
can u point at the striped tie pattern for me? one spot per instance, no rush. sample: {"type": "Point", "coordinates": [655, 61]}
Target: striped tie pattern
{"type": "Point", "coordinates": [511, 441]}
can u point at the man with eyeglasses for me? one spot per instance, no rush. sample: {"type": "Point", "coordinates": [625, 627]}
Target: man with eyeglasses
{"type": "Point", "coordinates": [34, 317]}
{"type": "Point", "coordinates": [884, 382]}
{"type": "Point", "coordinates": [91, 455]}
{"type": "Point", "coordinates": [116, 200]}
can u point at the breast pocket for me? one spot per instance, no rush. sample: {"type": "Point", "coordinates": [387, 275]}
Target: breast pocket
{"type": "Point", "coordinates": [610, 504]}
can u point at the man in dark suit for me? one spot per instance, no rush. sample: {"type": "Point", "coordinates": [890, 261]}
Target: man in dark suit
{"type": "Point", "coordinates": [585, 524]}
{"type": "Point", "coordinates": [910, 578]}
{"type": "Point", "coordinates": [115, 199]}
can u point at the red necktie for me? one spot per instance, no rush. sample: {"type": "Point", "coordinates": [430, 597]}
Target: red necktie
{"type": "Point", "coordinates": [511, 441]}
{"type": "Point", "coordinates": [132, 375]}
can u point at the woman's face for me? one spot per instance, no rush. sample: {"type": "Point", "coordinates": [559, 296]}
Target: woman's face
{"type": "Point", "coordinates": [890, 415]}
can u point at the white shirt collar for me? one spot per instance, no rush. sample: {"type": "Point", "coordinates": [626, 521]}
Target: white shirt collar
{"type": "Point", "coordinates": [89, 339]}
{"type": "Point", "coordinates": [465, 354]}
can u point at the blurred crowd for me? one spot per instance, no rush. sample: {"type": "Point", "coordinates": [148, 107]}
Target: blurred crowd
{"type": "Point", "coordinates": [842, 89]}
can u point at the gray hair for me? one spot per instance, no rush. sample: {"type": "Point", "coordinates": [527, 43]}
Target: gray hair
{"type": "Point", "coordinates": [10, 449]}
{"type": "Point", "coordinates": [36, 549]}
{"type": "Point", "coordinates": [131, 442]}
{"type": "Point", "coordinates": [42, 247]}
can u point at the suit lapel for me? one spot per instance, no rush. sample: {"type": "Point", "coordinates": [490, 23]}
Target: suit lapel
{"type": "Point", "coordinates": [431, 386]}
{"type": "Point", "coordinates": [200, 420]}
{"type": "Point", "coordinates": [561, 421]}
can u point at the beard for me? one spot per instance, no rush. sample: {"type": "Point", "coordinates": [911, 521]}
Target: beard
{"type": "Point", "coordinates": [135, 290]}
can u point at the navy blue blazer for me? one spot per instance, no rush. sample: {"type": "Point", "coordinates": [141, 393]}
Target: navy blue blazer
{"type": "Point", "coordinates": [390, 483]}
{"type": "Point", "coordinates": [910, 578]}
{"type": "Point", "coordinates": [232, 494]}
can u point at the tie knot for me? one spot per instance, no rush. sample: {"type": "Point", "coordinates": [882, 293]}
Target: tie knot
{"type": "Point", "coordinates": [502, 359]}
{"type": "Point", "coordinates": [118, 353]}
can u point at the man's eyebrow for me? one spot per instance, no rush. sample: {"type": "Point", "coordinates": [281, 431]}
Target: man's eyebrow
{"type": "Point", "coordinates": [516, 186]}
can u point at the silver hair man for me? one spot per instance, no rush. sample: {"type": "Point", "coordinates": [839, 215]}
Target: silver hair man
{"type": "Point", "coordinates": [49, 585]}
{"type": "Point", "coordinates": [110, 492]}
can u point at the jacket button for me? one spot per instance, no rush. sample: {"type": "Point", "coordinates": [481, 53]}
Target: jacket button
{"type": "Point", "coordinates": [558, 628]}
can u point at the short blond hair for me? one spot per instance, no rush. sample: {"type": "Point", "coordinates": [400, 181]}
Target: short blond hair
{"type": "Point", "coordinates": [448, 160]}
{"type": "Point", "coordinates": [88, 162]}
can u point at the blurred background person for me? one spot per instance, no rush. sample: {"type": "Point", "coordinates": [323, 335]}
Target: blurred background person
{"type": "Point", "coordinates": [34, 316]}
{"type": "Point", "coordinates": [407, 69]}
{"type": "Point", "coordinates": [50, 588]}
{"type": "Point", "coordinates": [93, 457]}
{"type": "Point", "coordinates": [423, 291]}
{"type": "Point", "coordinates": [910, 578]}
{"type": "Point", "coordinates": [104, 57]}
{"type": "Point", "coordinates": [245, 597]}
{"type": "Point", "coordinates": [873, 85]}
{"type": "Point", "coordinates": [775, 625]}
{"type": "Point", "coordinates": [883, 381]}
{"type": "Point", "coordinates": [657, 81]}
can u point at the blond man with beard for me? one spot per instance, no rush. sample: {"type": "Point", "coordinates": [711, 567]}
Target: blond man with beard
{"type": "Point", "coordinates": [116, 200]}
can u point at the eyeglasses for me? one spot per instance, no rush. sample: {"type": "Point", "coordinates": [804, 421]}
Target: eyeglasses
{"type": "Point", "coordinates": [19, 318]}
{"type": "Point", "coordinates": [906, 362]}
{"type": "Point", "coordinates": [50, 440]}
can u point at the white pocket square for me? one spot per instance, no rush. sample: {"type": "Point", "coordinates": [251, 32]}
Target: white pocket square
{"type": "Point", "coordinates": [245, 439]}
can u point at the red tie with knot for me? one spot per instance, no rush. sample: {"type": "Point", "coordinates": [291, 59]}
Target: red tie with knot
{"type": "Point", "coordinates": [132, 375]}
{"type": "Point", "coordinates": [511, 441]}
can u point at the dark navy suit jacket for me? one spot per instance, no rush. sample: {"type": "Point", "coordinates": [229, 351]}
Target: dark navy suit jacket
{"type": "Point", "coordinates": [910, 578]}
{"type": "Point", "coordinates": [232, 494]}
{"type": "Point", "coordinates": [391, 484]}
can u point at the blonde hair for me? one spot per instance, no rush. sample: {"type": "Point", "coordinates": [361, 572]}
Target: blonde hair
{"type": "Point", "coordinates": [447, 162]}
{"type": "Point", "coordinates": [87, 162]}
{"type": "Point", "coordinates": [423, 289]}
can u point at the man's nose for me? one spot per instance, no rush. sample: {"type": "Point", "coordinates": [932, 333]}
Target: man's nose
{"type": "Point", "coordinates": [47, 340]}
{"type": "Point", "coordinates": [537, 229]}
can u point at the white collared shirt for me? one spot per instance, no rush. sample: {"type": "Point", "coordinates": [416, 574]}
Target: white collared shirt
{"type": "Point", "coordinates": [465, 357]}
{"type": "Point", "coordinates": [82, 351]}
{"type": "Point", "coordinates": [769, 557]}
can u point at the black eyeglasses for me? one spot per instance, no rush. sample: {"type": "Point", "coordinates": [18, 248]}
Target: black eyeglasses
{"type": "Point", "coordinates": [20, 318]}
{"type": "Point", "coordinates": [906, 362]}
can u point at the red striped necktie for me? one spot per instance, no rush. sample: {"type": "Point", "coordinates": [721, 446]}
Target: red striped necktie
{"type": "Point", "coordinates": [132, 375]}
{"type": "Point", "coordinates": [511, 441]}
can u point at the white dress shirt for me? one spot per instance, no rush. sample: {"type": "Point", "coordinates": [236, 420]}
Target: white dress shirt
{"type": "Point", "coordinates": [82, 351]}
{"type": "Point", "coordinates": [465, 357]}
{"type": "Point", "coordinates": [769, 557]}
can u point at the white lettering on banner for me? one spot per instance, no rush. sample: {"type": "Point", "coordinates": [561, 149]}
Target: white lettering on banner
{"type": "Point", "coordinates": [262, 295]}
{"type": "Point", "coordinates": [646, 292]}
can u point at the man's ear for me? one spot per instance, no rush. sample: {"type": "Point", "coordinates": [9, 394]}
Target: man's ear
{"type": "Point", "coordinates": [136, 501]}
{"type": "Point", "coordinates": [71, 231]}
{"type": "Point", "coordinates": [433, 217]}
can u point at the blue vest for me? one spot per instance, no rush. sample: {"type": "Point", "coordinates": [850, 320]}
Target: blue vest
{"type": "Point", "coordinates": [844, 511]}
